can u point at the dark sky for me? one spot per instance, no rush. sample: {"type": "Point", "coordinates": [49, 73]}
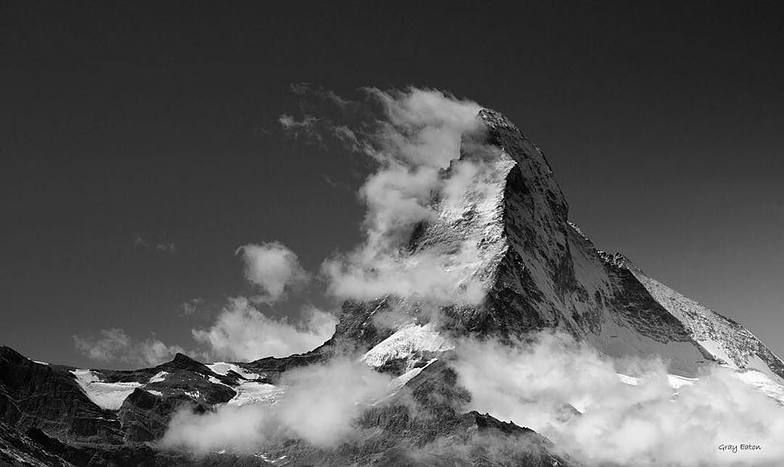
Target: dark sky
{"type": "Point", "coordinates": [157, 121]}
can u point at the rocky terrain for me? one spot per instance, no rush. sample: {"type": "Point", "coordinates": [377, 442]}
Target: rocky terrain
{"type": "Point", "coordinates": [508, 240]}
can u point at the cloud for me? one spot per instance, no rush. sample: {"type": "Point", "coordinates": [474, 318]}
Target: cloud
{"type": "Point", "coordinates": [273, 268]}
{"type": "Point", "coordinates": [319, 405]}
{"type": "Point", "coordinates": [307, 128]}
{"type": "Point", "coordinates": [415, 139]}
{"type": "Point", "coordinates": [241, 332]}
{"type": "Point", "coordinates": [157, 246]}
{"type": "Point", "coordinates": [422, 127]}
{"type": "Point", "coordinates": [115, 345]}
{"type": "Point", "coordinates": [110, 344]}
{"type": "Point", "coordinates": [190, 307]}
{"type": "Point", "coordinates": [648, 422]}
{"type": "Point", "coordinates": [307, 89]}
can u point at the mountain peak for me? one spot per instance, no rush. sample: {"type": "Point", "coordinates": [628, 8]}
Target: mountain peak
{"type": "Point", "coordinates": [618, 260]}
{"type": "Point", "coordinates": [184, 362]}
{"type": "Point", "coordinates": [495, 119]}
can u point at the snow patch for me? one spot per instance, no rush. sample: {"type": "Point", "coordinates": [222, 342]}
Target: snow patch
{"type": "Point", "coordinates": [159, 377]}
{"type": "Point", "coordinates": [401, 380]}
{"type": "Point", "coordinates": [677, 382]}
{"type": "Point", "coordinates": [674, 381]}
{"type": "Point", "coordinates": [411, 341]}
{"type": "Point", "coordinates": [251, 392]}
{"type": "Point", "coordinates": [729, 343]}
{"type": "Point", "coordinates": [630, 380]}
{"type": "Point", "coordinates": [754, 378]}
{"type": "Point", "coordinates": [223, 368]}
{"type": "Point", "coordinates": [108, 396]}
{"type": "Point", "coordinates": [762, 382]}
{"type": "Point", "coordinates": [215, 380]}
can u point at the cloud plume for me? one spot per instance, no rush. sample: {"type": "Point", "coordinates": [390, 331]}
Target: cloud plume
{"type": "Point", "coordinates": [242, 332]}
{"type": "Point", "coordinates": [414, 136]}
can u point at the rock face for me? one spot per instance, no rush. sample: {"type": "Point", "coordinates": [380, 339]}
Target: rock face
{"type": "Point", "coordinates": [506, 239]}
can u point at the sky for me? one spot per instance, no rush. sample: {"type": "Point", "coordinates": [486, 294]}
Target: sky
{"type": "Point", "coordinates": [140, 147]}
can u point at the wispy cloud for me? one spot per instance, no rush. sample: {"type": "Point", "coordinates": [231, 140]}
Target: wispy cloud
{"type": "Point", "coordinates": [308, 89]}
{"type": "Point", "coordinates": [115, 345]}
{"type": "Point", "coordinates": [307, 127]}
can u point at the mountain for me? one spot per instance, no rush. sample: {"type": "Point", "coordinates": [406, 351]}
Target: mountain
{"type": "Point", "coordinates": [517, 264]}
{"type": "Point", "coordinates": [538, 270]}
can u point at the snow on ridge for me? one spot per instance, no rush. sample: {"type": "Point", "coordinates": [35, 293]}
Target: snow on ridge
{"type": "Point", "coordinates": [403, 379]}
{"type": "Point", "coordinates": [753, 378]}
{"type": "Point", "coordinates": [397, 384]}
{"type": "Point", "coordinates": [215, 380]}
{"type": "Point", "coordinates": [630, 380]}
{"type": "Point", "coordinates": [223, 368]}
{"type": "Point", "coordinates": [158, 377]}
{"type": "Point", "coordinates": [728, 342]}
{"type": "Point", "coordinates": [762, 382]}
{"type": "Point", "coordinates": [674, 381]}
{"type": "Point", "coordinates": [108, 396]}
{"type": "Point", "coordinates": [252, 392]}
{"type": "Point", "coordinates": [410, 341]}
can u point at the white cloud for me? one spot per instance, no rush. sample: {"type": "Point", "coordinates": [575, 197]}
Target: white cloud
{"type": "Point", "coordinates": [422, 127]}
{"type": "Point", "coordinates": [115, 345]}
{"type": "Point", "coordinates": [319, 405]}
{"type": "Point", "coordinates": [650, 423]}
{"type": "Point", "coordinates": [273, 268]}
{"type": "Point", "coordinates": [241, 332]}
{"type": "Point", "coordinates": [417, 136]}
